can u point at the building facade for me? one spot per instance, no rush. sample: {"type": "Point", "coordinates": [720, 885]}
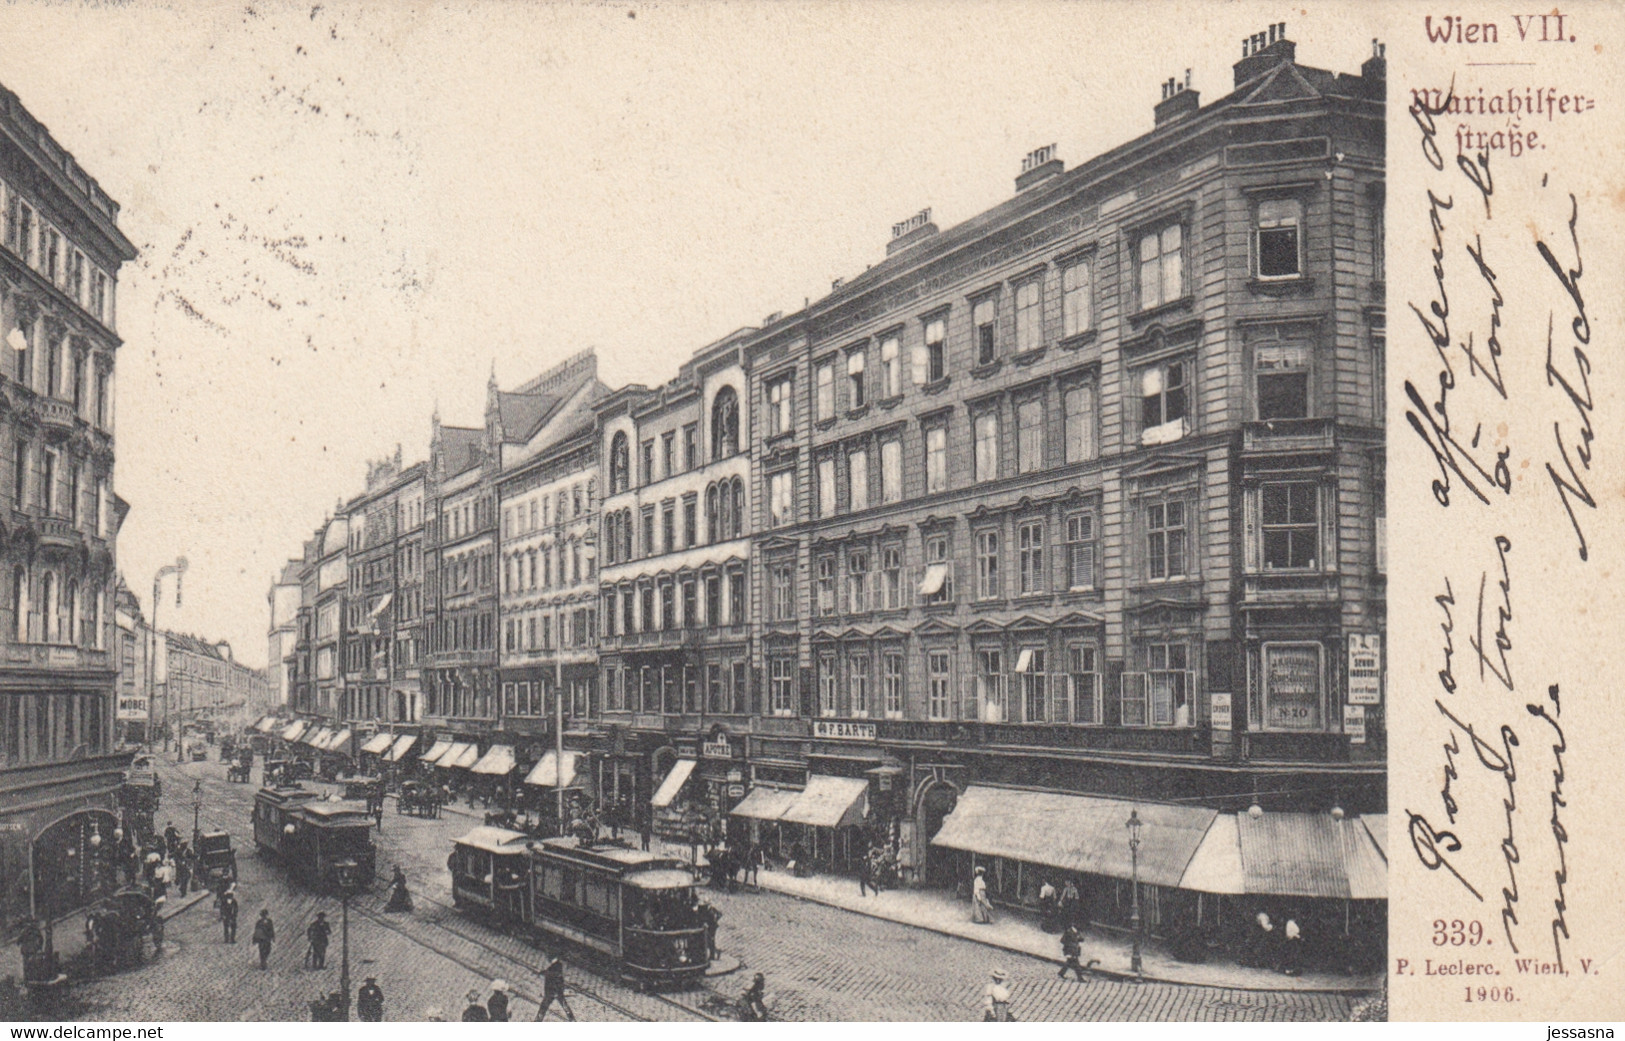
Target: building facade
{"type": "Point", "coordinates": [1085, 493]}
{"type": "Point", "coordinates": [60, 252]}
{"type": "Point", "coordinates": [330, 608]}
{"type": "Point", "coordinates": [283, 636]}
{"type": "Point", "coordinates": [675, 623]}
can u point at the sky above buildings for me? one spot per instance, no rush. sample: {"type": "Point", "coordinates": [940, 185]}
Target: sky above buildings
{"type": "Point", "coordinates": [350, 214]}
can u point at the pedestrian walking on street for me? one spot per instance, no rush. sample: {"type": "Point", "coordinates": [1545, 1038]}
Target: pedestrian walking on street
{"type": "Point", "coordinates": [164, 877]}
{"type": "Point", "coordinates": [318, 934]}
{"type": "Point", "coordinates": [183, 870]}
{"type": "Point", "coordinates": [496, 1006]}
{"type": "Point", "coordinates": [228, 916]}
{"type": "Point", "coordinates": [264, 934]}
{"type": "Point", "coordinates": [1291, 947]}
{"type": "Point", "coordinates": [712, 918]}
{"type": "Point", "coordinates": [475, 1012]}
{"type": "Point", "coordinates": [172, 837]}
{"type": "Point", "coordinates": [378, 813]}
{"type": "Point", "coordinates": [646, 834]}
{"type": "Point", "coordinates": [981, 908]}
{"type": "Point", "coordinates": [1047, 899]}
{"type": "Point", "coordinates": [369, 1001]}
{"type": "Point", "coordinates": [1072, 951]}
{"type": "Point", "coordinates": [996, 1000]}
{"type": "Point", "coordinates": [1264, 942]}
{"type": "Point", "coordinates": [399, 898]}
{"type": "Point", "coordinates": [553, 990]}
{"type": "Point", "coordinates": [1069, 905]}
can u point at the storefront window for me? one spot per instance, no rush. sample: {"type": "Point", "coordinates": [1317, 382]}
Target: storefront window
{"type": "Point", "coordinates": [1293, 683]}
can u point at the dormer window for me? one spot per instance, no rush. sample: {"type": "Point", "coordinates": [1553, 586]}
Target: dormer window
{"type": "Point", "coordinates": [1278, 239]}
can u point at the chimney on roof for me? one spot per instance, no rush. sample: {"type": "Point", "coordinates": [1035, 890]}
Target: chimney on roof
{"type": "Point", "coordinates": [1375, 69]}
{"type": "Point", "coordinates": [906, 233]}
{"type": "Point", "coordinates": [770, 319]}
{"type": "Point", "coordinates": [1263, 51]}
{"type": "Point", "coordinates": [1038, 165]}
{"type": "Point", "coordinates": [1178, 99]}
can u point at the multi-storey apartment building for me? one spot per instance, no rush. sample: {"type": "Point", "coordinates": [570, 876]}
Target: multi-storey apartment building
{"type": "Point", "coordinates": [133, 715]}
{"type": "Point", "coordinates": [675, 552]}
{"type": "Point", "coordinates": [60, 251]}
{"type": "Point", "coordinates": [282, 600]}
{"type": "Point", "coordinates": [1085, 494]}
{"type": "Point", "coordinates": [385, 609]}
{"type": "Point", "coordinates": [329, 608]}
{"type": "Point", "coordinates": [460, 681]}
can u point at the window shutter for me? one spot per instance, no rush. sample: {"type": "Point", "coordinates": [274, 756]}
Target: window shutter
{"type": "Point", "coordinates": [1131, 698]}
{"type": "Point", "coordinates": [921, 364]}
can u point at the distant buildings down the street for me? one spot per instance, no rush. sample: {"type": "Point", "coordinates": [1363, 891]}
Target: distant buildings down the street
{"type": "Point", "coordinates": [1070, 509]}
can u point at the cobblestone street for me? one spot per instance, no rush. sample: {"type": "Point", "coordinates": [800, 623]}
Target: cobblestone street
{"type": "Point", "coordinates": [430, 959]}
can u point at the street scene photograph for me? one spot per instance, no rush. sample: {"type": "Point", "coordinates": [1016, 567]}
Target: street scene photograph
{"type": "Point", "coordinates": [446, 576]}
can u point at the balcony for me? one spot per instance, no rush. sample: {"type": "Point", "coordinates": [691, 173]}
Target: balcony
{"type": "Point", "coordinates": [1285, 436]}
{"type": "Point", "coordinates": [55, 416]}
{"type": "Point", "coordinates": [57, 531]}
{"type": "Point", "coordinates": [1287, 588]}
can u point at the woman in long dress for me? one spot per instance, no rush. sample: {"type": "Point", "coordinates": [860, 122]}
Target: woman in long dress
{"type": "Point", "coordinates": [981, 908]}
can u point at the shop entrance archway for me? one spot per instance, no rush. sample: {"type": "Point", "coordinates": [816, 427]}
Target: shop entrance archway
{"type": "Point", "coordinates": [936, 799]}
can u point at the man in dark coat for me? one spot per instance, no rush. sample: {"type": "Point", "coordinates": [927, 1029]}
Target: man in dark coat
{"type": "Point", "coordinates": [228, 916]}
{"type": "Point", "coordinates": [1072, 951]}
{"type": "Point", "coordinates": [264, 934]}
{"type": "Point", "coordinates": [475, 1012]}
{"type": "Point", "coordinates": [496, 1006]}
{"type": "Point", "coordinates": [172, 837]}
{"type": "Point", "coordinates": [369, 1001]}
{"type": "Point", "coordinates": [318, 934]}
{"type": "Point", "coordinates": [553, 990]}
{"type": "Point", "coordinates": [712, 918]}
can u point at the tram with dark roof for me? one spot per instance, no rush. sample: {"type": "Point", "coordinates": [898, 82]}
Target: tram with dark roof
{"type": "Point", "coordinates": [638, 909]}
{"type": "Point", "coordinates": [311, 836]}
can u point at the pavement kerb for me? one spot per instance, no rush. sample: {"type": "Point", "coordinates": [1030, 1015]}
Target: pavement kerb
{"type": "Point", "coordinates": [1109, 973]}
{"type": "Point", "coordinates": [170, 910]}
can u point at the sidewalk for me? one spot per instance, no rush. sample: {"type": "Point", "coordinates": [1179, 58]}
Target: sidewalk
{"type": "Point", "coordinates": [1019, 931]}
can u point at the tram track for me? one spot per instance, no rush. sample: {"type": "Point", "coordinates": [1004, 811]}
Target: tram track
{"type": "Point", "coordinates": [593, 994]}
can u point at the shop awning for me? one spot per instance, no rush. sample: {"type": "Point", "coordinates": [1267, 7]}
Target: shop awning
{"type": "Point", "coordinates": [318, 738]}
{"type": "Point", "coordinates": [377, 744]}
{"type": "Point", "coordinates": [266, 725]}
{"type": "Point", "coordinates": [1076, 832]}
{"type": "Point", "coordinates": [1293, 854]}
{"type": "Point", "coordinates": [497, 761]}
{"type": "Point", "coordinates": [829, 802]}
{"type": "Point", "coordinates": [337, 742]}
{"type": "Point", "coordinates": [1216, 866]}
{"type": "Point", "coordinates": [461, 757]}
{"type": "Point", "coordinates": [403, 745]}
{"type": "Point", "coordinates": [383, 605]}
{"type": "Point", "coordinates": [436, 750]}
{"type": "Point", "coordinates": [294, 729]}
{"type": "Point", "coordinates": [673, 783]}
{"type": "Point", "coordinates": [1364, 858]}
{"type": "Point", "coordinates": [545, 774]}
{"type": "Point", "coordinates": [766, 804]}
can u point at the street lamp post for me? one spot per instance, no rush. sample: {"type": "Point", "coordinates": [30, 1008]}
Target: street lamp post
{"type": "Point", "coordinates": [197, 808]}
{"type": "Point", "coordinates": [345, 873]}
{"type": "Point", "coordinates": [1134, 823]}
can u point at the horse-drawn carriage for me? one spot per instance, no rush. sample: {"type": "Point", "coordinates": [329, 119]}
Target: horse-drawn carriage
{"type": "Point", "coordinates": [286, 771]}
{"type": "Point", "coordinates": [139, 795]}
{"type": "Point", "coordinates": [198, 751]}
{"type": "Point", "coordinates": [216, 860]}
{"type": "Point", "coordinates": [117, 930]}
{"type": "Point", "coordinates": [419, 799]}
{"type": "Point", "coordinates": [238, 772]}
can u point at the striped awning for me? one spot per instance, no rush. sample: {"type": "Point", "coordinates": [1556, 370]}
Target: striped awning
{"type": "Point", "coordinates": [378, 743]}
{"type": "Point", "coordinates": [1076, 832]}
{"type": "Point", "coordinates": [497, 761]}
{"type": "Point", "coordinates": [765, 804]}
{"type": "Point", "coordinates": [673, 783]}
{"type": "Point", "coordinates": [545, 774]}
{"type": "Point", "coordinates": [403, 745]}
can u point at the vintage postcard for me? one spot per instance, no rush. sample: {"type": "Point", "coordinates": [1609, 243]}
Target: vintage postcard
{"type": "Point", "coordinates": [710, 512]}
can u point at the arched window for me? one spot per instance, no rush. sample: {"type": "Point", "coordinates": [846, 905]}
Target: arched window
{"type": "Point", "coordinates": [712, 533]}
{"type": "Point", "coordinates": [48, 617]}
{"type": "Point", "coordinates": [620, 464]}
{"type": "Point", "coordinates": [724, 424]}
{"type": "Point", "coordinates": [19, 601]}
{"type": "Point", "coordinates": [626, 534]}
{"type": "Point", "coordinates": [739, 506]}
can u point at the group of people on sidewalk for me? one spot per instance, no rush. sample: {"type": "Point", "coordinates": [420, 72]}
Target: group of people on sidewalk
{"type": "Point", "coordinates": [1057, 909]}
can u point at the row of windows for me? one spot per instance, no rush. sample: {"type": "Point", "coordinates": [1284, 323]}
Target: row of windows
{"type": "Point", "coordinates": [47, 609]}
{"type": "Point", "coordinates": [557, 565]}
{"type": "Point", "coordinates": [719, 687]}
{"type": "Point", "coordinates": [67, 363]}
{"type": "Point", "coordinates": [50, 252]}
{"type": "Point", "coordinates": [38, 476]}
{"type": "Point", "coordinates": [538, 511]}
{"type": "Point", "coordinates": [465, 518]}
{"type": "Point", "coordinates": [632, 607]}
{"type": "Point", "coordinates": [463, 631]}
{"type": "Point", "coordinates": [467, 572]}
{"type": "Point", "coordinates": [533, 631]}
{"type": "Point", "coordinates": [662, 533]}
{"type": "Point", "coordinates": [667, 456]}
